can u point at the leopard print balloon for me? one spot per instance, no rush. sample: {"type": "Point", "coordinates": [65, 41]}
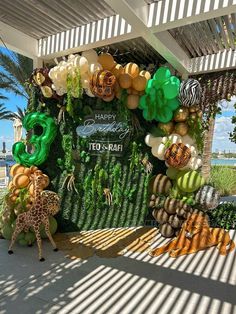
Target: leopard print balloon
{"type": "Point", "coordinates": [177, 155]}
{"type": "Point", "coordinates": [102, 83]}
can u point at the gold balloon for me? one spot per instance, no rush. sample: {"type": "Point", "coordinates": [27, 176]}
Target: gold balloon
{"type": "Point", "coordinates": [193, 108]}
{"type": "Point", "coordinates": [181, 128]}
{"type": "Point", "coordinates": [193, 116]}
{"type": "Point", "coordinates": [181, 114]}
{"type": "Point", "coordinates": [199, 114]}
{"type": "Point", "coordinates": [166, 127]}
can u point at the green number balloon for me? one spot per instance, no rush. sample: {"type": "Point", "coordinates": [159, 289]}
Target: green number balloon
{"type": "Point", "coordinates": [41, 142]}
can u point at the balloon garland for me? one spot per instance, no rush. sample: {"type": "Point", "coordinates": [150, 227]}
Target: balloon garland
{"type": "Point", "coordinates": [41, 142]}
{"type": "Point", "coordinates": [163, 98]}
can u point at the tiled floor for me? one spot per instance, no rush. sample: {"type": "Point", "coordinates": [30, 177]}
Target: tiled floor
{"type": "Point", "coordinates": [204, 283]}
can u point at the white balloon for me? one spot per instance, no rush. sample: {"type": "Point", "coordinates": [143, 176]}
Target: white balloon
{"type": "Point", "coordinates": [90, 55]}
{"type": "Point", "coordinates": [159, 151]}
{"type": "Point", "coordinates": [194, 163]}
{"type": "Point", "coordinates": [94, 67]}
{"type": "Point", "coordinates": [76, 61]}
{"type": "Point", "coordinates": [89, 93]}
{"type": "Point", "coordinates": [148, 139]}
{"type": "Point", "coordinates": [175, 138]}
{"type": "Point", "coordinates": [85, 84]}
{"type": "Point", "coordinates": [51, 74]}
{"type": "Point", "coordinates": [71, 56]}
{"type": "Point", "coordinates": [165, 139]}
{"type": "Point", "coordinates": [186, 139]}
{"type": "Point", "coordinates": [60, 92]}
{"type": "Point", "coordinates": [83, 64]}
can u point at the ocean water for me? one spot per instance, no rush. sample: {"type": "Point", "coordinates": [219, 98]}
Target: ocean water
{"type": "Point", "coordinates": [226, 162]}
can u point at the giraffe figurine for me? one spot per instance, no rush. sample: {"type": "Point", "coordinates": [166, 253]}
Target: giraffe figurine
{"type": "Point", "coordinates": [45, 203]}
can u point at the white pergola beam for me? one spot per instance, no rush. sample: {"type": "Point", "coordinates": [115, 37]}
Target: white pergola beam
{"type": "Point", "coordinates": [223, 60]}
{"type": "Point", "coordinates": [163, 43]}
{"type": "Point", "coordinates": [19, 42]}
{"type": "Point", "coordinates": [167, 14]}
{"type": "Point", "coordinates": [100, 33]}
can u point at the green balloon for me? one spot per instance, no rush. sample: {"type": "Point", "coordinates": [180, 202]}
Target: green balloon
{"type": "Point", "coordinates": [143, 102]}
{"type": "Point", "coordinates": [52, 227]}
{"type": "Point", "coordinates": [41, 142]}
{"type": "Point", "coordinates": [170, 90]}
{"type": "Point", "coordinates": [189, 181]}
{"type": "Point", "coordinates": [22, 242]}
{"type": "Point", "coordinates": [162, 75]}
{"type": "Point", "coordinates": [7, 232]}
{"type": "Point", "coordinates": [149, 86]}
{"type": "Point", "coordinates": [173, 104]}
{"type": "Point", "coordinates": [172, 173]}
{"type": "Point", "coordinates": [30, 237]}
{"type": "Point", "coordinates": [21, 235]}
{"type": "Point", "coordinates": [165, 115]}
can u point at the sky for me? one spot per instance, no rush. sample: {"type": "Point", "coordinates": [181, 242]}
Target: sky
{"type": "Point", "coordinates": [223, 125]}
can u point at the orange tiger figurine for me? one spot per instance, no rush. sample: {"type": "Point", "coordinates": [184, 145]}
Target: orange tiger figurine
{"type": "Point", "coordinates": [196, 235]}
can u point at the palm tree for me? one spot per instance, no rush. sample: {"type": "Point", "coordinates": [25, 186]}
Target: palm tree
{"type": "Point", "coordinates": [16, 70]}
{"type": "Point", "coordinates": [20, 114]}
{"type": "Point", "coordinates": [4, 114]}
{"type": "Point", "coordinates": [207, 149]}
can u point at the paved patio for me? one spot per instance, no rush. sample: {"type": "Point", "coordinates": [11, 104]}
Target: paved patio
{"type": "Point", "coordinates": [204, 283]}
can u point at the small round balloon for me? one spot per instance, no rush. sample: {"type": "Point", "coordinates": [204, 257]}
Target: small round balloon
{"type": "Point", "coordinates": [190, 92]}
{"type": "Point", "coordinates": [208, 197]}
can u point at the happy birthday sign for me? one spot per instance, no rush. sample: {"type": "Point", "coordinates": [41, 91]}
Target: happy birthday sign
{"type": "Point", "coordinates": [106, 133]}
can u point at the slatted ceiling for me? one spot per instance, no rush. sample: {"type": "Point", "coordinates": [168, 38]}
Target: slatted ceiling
{"type": "Point", "coordinates": [207, 37]}
{"type": "Point", "coordinates": [230, 30]}
{"type": "Point", "coordinates": [40, 18]}
{"type": "Point", "coordinates": [213, 27]}
{"type": "Point", "coordinates": [135, 50]}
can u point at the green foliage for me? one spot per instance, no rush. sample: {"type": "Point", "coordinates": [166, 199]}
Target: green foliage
{"type": "Point", "coordinates": [116, 188]}
{"type": "Point", "coordinates": [87, 190]}
{"type": "Point", "coordinates": [135, 156]}
{"type": "Point", "coordinates": [22, 199]}
{"type": "Point", "coordinates": [196, 131]}
{"type": "Point", "coordinates": [3, 193]}
{"type": "Point", "coordinates": [224, 216]}
{"type": "Point", "coordinates": [223, 179]}
{"type": "Point", "coordinates": [67, 162]}
{"type": "Point", "coordinates": [233, 134]}
{"type": "Point", "coordinates": [15, 71]}
{"type": "Point", "coordinates": [69, 107]}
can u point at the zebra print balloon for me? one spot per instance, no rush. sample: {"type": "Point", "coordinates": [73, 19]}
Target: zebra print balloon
{"type": "Point", "coordinates": [208, 197]}
{"type": "Point", "coordinates": [190, 92]}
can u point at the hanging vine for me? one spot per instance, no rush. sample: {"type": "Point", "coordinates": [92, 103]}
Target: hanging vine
{"type": "Point", "coordinates": [135, 156]}
{"type": "Point", "coordinates": [116, 189]}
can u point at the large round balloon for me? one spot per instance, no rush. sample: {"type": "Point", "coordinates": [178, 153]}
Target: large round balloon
{"type": "Point", "coordinates": [190, 92]}
{"type": "Point", "coordinates": [41, 142]}
{"type": "Point", "coordinates": [189, 181]}
{"type": "Point", "coordinates": [208, 197]}
{"type": "Point", "coordinates": [102, 83]}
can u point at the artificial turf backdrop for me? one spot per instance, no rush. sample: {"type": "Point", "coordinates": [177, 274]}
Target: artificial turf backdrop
{"type": "Point", "coordinates": [125, 176]}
